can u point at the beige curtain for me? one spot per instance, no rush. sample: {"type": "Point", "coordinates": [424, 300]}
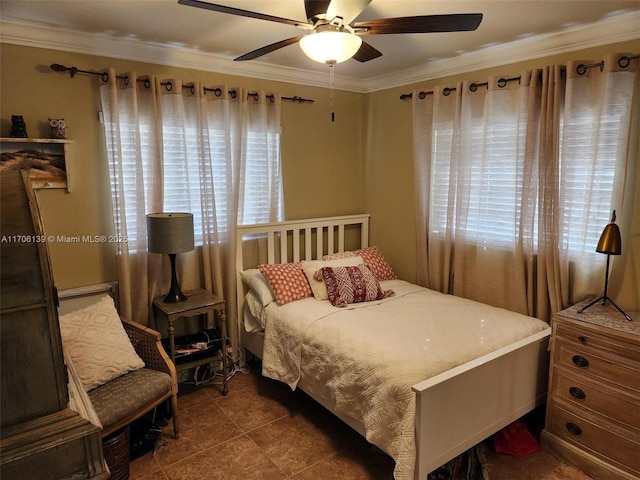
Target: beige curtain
{"type": "Point", "coordinates": [497, 171]}
{"type": "Point", "coordinates": [597, 117]}
{"type": "Point", "coordinates": [185, 148]}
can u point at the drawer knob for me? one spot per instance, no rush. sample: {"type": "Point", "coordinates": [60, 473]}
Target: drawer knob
{"type": "Point", "coordinates": [573, 429]}
{"type": "Point", "coordinates": [580, 361]}
{"type": "Point", "coordinates": [577, 393]}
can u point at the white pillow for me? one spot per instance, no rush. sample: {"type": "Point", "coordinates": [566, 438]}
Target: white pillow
{"type": "Point", "coordinates": [97, 343]}
{"type": "Point", "coordinates": [318, 287]}
{"type": "Point", "coordinates": [256, 281]}
{"type": "Point", "coordinates": [254, 313]}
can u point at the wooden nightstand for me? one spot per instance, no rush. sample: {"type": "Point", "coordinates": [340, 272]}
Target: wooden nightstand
{"type": "Point", "coordinates": [198, 302]}
{"type": "Point", "coordinates": [593, 404]}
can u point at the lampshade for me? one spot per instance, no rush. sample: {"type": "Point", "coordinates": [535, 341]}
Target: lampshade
{"type": "Point", "coordinates": [610, 242]}
{"type": "Point", "coordinates": [330, 46]}
{"type": "Point", "coordinates": [170, 232]}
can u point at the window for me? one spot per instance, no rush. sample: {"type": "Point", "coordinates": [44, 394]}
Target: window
{"type": "Point", "coordinates": [488, 159]}
{"type": "Point", "coordinates": [184, 180]}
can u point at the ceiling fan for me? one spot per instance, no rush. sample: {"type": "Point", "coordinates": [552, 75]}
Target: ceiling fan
{"type": "Point", "coordinates": [333, 35]}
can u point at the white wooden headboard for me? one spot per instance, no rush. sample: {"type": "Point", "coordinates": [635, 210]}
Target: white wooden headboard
{"type": "Point", "coordinates": [296, 240]}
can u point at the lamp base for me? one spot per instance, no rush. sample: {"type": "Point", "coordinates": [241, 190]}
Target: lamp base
{"type": "Point", "coordinates": [174, 295]}
{"type": "Point", "coordinates": [604, 299]}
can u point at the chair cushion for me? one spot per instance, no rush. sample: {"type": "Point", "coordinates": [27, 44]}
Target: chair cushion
{"type": "Point", "coordinates": [129, 395]}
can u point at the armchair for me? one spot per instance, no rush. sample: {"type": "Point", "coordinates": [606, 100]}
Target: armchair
{"type": "Point", "coordinates": [130, 396]}
{"type": "Point", "coordinates": [108, 382]}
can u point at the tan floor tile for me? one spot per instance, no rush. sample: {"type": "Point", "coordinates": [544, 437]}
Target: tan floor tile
{"type": "Point", "coordinates": [191, 395]}
{"type": "Point", "coordinates": [359, 462]}
{"type": "Point", "coordinates": [237, 459]}
{"type": "Point", "coordinates": [143, 466]}
{"type": "Point", "coordinates": [315, 433]}
{"type": "Point", "coordinates": [536, 466]}
{"type": "Point", "coordinates": [260, 403]}
{"type": "Point", "coordinates": [201, 427]}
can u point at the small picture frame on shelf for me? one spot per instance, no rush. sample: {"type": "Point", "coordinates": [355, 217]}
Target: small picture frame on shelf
{"type": "Point", "coordinates": [45, 158]}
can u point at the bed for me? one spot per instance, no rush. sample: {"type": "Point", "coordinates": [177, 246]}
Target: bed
{"type": "Point", "coordinates": [422, 375]}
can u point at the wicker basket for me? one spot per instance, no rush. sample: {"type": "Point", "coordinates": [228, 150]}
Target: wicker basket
{"type": "Point", "coordinates": [116, 453]}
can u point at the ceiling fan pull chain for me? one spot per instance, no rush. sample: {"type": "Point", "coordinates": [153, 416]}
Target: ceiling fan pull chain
{"type": "Point", "coordinates": [332, 82]}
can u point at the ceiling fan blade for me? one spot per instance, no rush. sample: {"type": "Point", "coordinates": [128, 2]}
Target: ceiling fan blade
{"type": "Point", "coordinates": [315, 7]}
{"type": "Point", "coordinates": [366, 52]}
{"type": "Point", "coordinates": [267, 49]}
{"type": "Point", "coordinates": [348, 10]}
{"type": "Point", "coordinates": [239, 12]}
{"type": "Point", "coordinates": [460, 22]}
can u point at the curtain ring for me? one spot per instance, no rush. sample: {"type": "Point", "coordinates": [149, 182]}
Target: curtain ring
{"type": "Point", "coordinates": [217, 92]}
{"type": "Point", "coordinates": [255, 96]}
{"type": "Point", "coordinates": [422, 95]}
{"type": "Point", "coordinates": [581, 69]}
{"type": "Point", "coordinates": [272, 98]}
{"type": "Point", "coordinates": [473, 87]}
{"type": "Point", "coordinates": [624, 62]}
{"type": "Point", "coordinates": [126, 80]}
{"type": "Point", "coordinates": [168, 86]}
{"type": "Point", "coordinates": [147, 83]}
{"type": "Point", "coordinates": [446, 92]}
{"type": "Point", "coordinates": [105, 77]}
{"type": "Point", "coordinates": [502, 82]}
{"type": "Point", "coordinates": [233, 93]}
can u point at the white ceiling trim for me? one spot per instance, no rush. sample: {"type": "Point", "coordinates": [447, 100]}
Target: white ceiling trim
{"type": "Point", "coordinates": [615, 29]}
{"type": "Point", "coordinates": [618, 28]}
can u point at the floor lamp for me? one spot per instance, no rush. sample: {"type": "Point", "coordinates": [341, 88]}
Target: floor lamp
{"type": "Point", "coordinates": [610, 243]}
{"type": "Point", "coordinates": [171, 233]}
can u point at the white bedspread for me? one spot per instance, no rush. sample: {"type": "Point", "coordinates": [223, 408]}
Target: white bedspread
{"type": "Point", "coordinates": [366, 357]}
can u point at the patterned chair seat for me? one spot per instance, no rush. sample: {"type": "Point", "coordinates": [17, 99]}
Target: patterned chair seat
{"type": "Point", "coordinates": [129, 396]}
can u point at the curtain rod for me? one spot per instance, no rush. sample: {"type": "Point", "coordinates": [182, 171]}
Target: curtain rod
{"type": "Point", "coordinates": [623, 62]}
{"type": "Point", "coordinates": [217, 91]}
{"type": "Point", "coordinates": [473, 87]}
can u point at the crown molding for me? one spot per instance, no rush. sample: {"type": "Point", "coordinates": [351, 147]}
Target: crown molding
{"type": "Point", "coordinates": [37, 35]}
{"type": "Point", "coordinates": [615, 29]}
{"type": "Point", "coordinates": [618, 28]}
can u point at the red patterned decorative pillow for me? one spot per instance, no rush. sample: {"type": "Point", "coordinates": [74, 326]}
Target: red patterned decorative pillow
{"type": "Point", "coordinates": [287, 280]}
{"type": "Point", "coordinates": [355, 284]}
{"type": "Point", "coordinates": [373, 258]}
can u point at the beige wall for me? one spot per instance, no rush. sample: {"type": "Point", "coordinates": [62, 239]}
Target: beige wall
{"type": "Point", "coordinates": [360, 163]}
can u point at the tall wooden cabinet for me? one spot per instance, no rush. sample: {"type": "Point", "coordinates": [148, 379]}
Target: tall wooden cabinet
{"type": "Point", "coordinates": [41, 436]}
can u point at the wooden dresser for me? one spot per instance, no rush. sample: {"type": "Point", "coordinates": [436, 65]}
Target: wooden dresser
{"type": "Point", "coordinates": [593, 405]}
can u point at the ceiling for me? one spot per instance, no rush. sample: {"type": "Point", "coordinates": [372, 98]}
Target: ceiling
{"type": "Point", "coordinates": [162, 31]}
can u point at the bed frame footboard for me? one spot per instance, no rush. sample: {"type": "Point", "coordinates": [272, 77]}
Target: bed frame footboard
{"type": "Point", "coordinates": [475, 397]}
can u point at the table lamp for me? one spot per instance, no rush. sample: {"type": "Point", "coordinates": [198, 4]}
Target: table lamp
{"type": "Point", "coordinates": [171, 233]}
{"type": "Point", "coordinates": [610, 243]}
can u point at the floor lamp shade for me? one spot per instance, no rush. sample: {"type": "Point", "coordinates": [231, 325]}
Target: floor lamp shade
{"type": "Point", "coordinates": [170, 233]}
{"type": "Point", "coordinates": [610, 243]}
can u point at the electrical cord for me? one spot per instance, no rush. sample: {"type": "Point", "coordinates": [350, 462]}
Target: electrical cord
{"type": "Point", "coordinates": [209, 377]}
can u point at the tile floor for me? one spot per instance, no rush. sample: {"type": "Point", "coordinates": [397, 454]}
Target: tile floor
{"type": "Point", "coordinates": [263, 431]}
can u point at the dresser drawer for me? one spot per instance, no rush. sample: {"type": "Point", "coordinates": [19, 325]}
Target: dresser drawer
{"type": "Point", "coordinates": [616, 405]}
{"type": "Point", "coordinates": [600, 364]}
{"type": "Point", "coordinates": [585, 335]}
{"type": "Point", "coordinates": [599, 438]}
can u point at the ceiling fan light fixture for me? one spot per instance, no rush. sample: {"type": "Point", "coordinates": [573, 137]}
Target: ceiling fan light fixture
{"type": "Point", "coordinates": [330, 46]}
